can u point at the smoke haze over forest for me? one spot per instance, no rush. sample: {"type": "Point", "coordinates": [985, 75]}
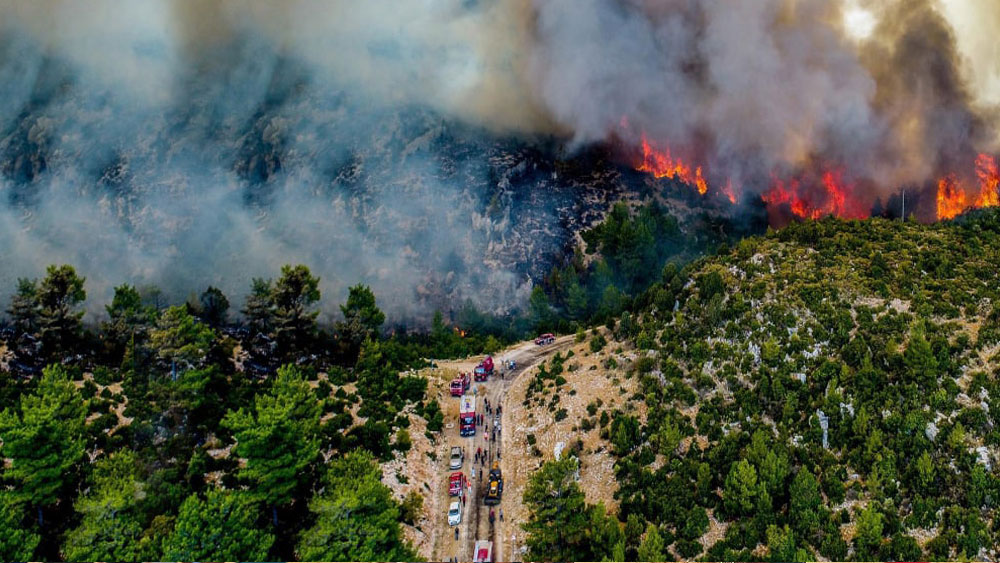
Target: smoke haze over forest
{"type": "Point", "coordinates": [184, 143]}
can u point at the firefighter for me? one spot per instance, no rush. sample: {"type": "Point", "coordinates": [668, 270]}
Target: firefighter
{"type": "Point", "coordinates": [501, 514]}
{"type": "Point", "coordinates": [456, 533]}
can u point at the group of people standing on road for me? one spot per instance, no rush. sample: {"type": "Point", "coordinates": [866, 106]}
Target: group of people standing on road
{"type": "Point", "coordinates": [485, 454]}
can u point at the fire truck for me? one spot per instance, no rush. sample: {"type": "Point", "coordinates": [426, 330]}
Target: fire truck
{"type": "Point", "coordinates": [460, 385]}
{"type": "Point", "coordinates": [483, 552]}
{"type": "Point", "coordinates": [494, 489]}
{"type": "Point", "coordinates": [485, 369]}
{"type": "Point", "coordinates": [456, 483]}
{"type": "Point", "coordinates": [467, 416]}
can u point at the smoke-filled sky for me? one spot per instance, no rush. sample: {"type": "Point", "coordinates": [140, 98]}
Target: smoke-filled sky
{"type": "Point", "coordinates": [192, 142]}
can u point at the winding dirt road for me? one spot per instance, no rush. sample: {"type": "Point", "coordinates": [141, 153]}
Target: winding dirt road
{"type": "Point", "coordinates": [475, 518]}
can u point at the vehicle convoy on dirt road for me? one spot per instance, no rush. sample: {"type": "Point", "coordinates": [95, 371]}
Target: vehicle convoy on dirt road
{"type": "Point", "coordinates": [475, 527]}
{"type": "Point", "coordinates": [467, 416]}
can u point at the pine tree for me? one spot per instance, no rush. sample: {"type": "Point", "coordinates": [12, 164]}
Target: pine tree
{"type": "Point", "coordinates": [293, 296]}
{"type": "Point", "coordinates": [805, 502]}
{"type": "Point", "coordinates": [742, 490]}
{"type": "Point", "coordinates": [557, 526]}
{"type": "Point", "coordinates": [59, 294]}
{"type": "Point", "coordinates": [17, 540]}
{"type": "Point", "coordinates": [223, 527]}
{"type": "Point", "coordinates": [45, 440]}
{"type": "Point", "coordinates": [259, 306]}
{"type": "Point", "coordinates": [868, 538]}
{"type": "Point", "coordinates": [356, 516]}
{"type": "Point", "coordinates": [110, 528]}
{"type": "Point", "coordinates": [180, 340]}
{"type": "Point", "coordinates": [24, 308]}
{"type": "Point", "coordinates": [214, 307]}
{"type": "Point", "coordinates": [278, 438]}
{"type": "Point", "coordinates": [651, 548]}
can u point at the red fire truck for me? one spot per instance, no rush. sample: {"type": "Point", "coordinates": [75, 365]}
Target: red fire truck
{"type": "Point", "coordinates": [456, 483]}
{"type": "Point", "coordinates": [467, 416]}
{"type": "Point", "coordinates": [460, 385]}
{"type": "Point", "coordinates": [483, 552]}
{"type": "Point", "coordinates": [485, 369]}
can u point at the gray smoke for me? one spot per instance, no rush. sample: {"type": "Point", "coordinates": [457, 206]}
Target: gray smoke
{"type": "Point", "coordinates": [186, 143]}
{"type": "Point", "coordinates": [192, 142]}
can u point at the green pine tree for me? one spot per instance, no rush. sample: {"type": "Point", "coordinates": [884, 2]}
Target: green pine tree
{"type": "Point", "coordinates": [223, 527]}
{"type": "Point", "coordinates": [44, 440]}
{"type": "Point", "coordinates": [110, 527]}
{"type": "Point", "coordinates": [356, 516]}
{"type": "Point", "coordinates": [278, 438]}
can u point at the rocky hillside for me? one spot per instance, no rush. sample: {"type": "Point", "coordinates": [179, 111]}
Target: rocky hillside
{"type": "Point", "coordinates": [826, 391]}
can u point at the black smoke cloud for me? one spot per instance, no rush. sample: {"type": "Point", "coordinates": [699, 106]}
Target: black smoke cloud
{"type": "Point", "coordinates": [192, 142]}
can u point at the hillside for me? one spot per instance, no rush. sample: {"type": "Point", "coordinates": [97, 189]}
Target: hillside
{"type": "Point", "coordinates": [888, 331]}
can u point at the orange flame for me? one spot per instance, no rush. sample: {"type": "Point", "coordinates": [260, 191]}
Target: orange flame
{"type": "Point", "coordinates": [989, 181]}
{"type": "Point", "coordinates": [662, 165]}
{"type": "Point", "coordinates": [952, 198]}
{"type": "Point", "coordinates": [806, 202]}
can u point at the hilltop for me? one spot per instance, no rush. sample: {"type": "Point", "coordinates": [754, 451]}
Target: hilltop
{"type": "Point", "coordinates": [886, 333]}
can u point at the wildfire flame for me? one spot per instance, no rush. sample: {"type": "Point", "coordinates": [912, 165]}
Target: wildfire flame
{"type": "Point", "coordinates": [989, 181]}
{"type": "Point", "coordinates": [823, 192]}
{"type": "Point", "coordinates": [661, 164]}
{"type": "Point", "coordinates": [833, 196]}
{"type": "Point", "coordinates": [952, 198]}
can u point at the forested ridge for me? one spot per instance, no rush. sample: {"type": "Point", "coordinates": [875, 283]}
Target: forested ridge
{"type": "Point", "coordinates": [175, 433]}
{"type": "Point", "coordinates": [886, 333]}
{"type": "Point", "coordinates": [196, 431]}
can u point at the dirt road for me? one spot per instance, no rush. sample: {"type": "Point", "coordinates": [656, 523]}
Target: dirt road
{"type": "Point", "coordinates": [476, 515]}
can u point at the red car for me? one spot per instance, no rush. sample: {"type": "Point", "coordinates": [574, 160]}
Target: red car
{"type": "Point", "coordinates": [456, 483]}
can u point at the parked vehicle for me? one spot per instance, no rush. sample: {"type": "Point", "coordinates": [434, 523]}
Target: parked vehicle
{"type": "Point", "coordinates": [483, 552]}
{"type": "Point", "coordinates": [456, 483]}
{"type": "Point", "coordinates": [467, 416]}
{"type": "Point", "coordinates": [547, 338]}
{"type": "Point", "coordinates": [455, 514]}
{"type": "Point", "coordinates": [460, 385]}
{"type": "Point", "coordinates": [494, 489]}
{"type": "Point", "coordinates": [484, 370]}
{"type": "Point", "coordinates": [457, 457]}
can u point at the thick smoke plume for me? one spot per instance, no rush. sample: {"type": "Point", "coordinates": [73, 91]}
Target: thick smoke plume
{"type": "Point", "coordinates": [191, 142]}
{"type": "Point", "coordinates": [774, 88]}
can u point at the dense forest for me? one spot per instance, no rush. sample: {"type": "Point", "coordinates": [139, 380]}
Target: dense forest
{"type": "Point", "coordinates": [157, 431]}
{"type": "Point", "coordinates": [828, 390]}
